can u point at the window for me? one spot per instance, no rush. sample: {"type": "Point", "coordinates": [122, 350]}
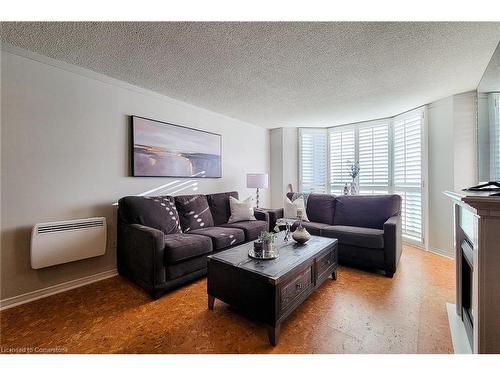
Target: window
{"type": "Point", "coordinates": [342, 150]}
{"type": "Point", "coordinates": [389, 153]}
{"type": "Point", "coordinates": [494, 119]}
{"type": "Point", "coordinates": [313, 160]}
{"type": "Point", "coordinates": [407, 158]}
{"type": "Point", "coordinates": [373, 159]}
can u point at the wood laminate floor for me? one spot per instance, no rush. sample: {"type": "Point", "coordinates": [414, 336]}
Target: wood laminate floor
{"type": "Point", "coordinates": [361, 312]}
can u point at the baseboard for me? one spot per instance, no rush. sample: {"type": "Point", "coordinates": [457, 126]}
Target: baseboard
{"type": "Point", "coordinates": [446, 253]}
{"type": "Point", "coordinates": [54, 289]}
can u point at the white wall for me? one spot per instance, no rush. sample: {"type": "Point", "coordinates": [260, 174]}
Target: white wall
{"type": "Point", "coordinates": [452, 129]}
{"type": "Point", "coordinates": [277, 165]}
{"type": "Point", "coordinates": [291, 155]}
{"type": "Point", "coordinates": [465, 134]}
{"type": "Point", "coordinates": [65, 155]}
{"type": "Point", "coordinates": [284, 163]}
{"type": "Point", "coordinates": [483, 122]}
{"type": "Point", "coordinates": [440, 174]}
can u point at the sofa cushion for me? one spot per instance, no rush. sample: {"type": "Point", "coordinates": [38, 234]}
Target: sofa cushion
{"type": "Point", "coordinates": [180, 247]}
{"type": "Point", "coordinates": [194, 212]}
{"type": "Point", "coordinates": [312, 227]}
{"type": "Point", "coordinates": [174, 271]}
{"type": "Point", "coordinates": [219, 206]}
{"type": "Point", "coordinates": [356, 236]}
{"type": "Point", "coordinates": [252, 228]}
{"type": "Point", "coordinates": [154, 212]}
{"type": "Point", "coordinates": [222, 236]}
{"type": "Point", "coordinates": [368, 211]}
{"type": "Point", "coordinates": [321, 208]}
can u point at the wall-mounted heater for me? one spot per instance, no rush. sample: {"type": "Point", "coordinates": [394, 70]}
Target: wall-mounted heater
{"type": "Point", "coordinates": [67, 241]}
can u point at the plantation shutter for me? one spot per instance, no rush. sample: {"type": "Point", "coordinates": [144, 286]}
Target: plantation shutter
{"type": "Point", "coordinates": [373, 150]}
{"type": "Point", "coordinates": [342, 150]}
{"type": "Point", "coordinates": [494, 119]}
{"type": "Point", "coordinates": [313, 160]}
{"type": "Point", "coordinates": [408, 129]}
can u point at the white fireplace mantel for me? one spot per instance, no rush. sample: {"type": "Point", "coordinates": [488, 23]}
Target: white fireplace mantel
{"type": "Point", "coordinates": [477, 225]}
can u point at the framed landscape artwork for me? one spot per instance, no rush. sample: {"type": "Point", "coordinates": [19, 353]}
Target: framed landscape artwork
{"type": "Point", "coordinates": [161, 149]}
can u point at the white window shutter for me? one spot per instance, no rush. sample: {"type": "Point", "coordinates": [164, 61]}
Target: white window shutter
{"type": "Point", "coordinates": [407, 154]}
{"type": "Point", "coordinates": [373, 150]}
{"type": "Point", "coordinates": [313, 160]}
{"type": "Point", "coordinates": [342, 150]}
{"type": "Point", "coordinates": [494, 120]}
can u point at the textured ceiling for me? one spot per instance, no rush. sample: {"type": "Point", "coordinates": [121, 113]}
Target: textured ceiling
{"type": "Point", "coordinates": [278, 74]}
{"type": "Point", "coordinates": [490, 82]}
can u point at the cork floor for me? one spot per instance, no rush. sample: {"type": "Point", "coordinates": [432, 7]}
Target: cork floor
{"type": "Point", "coordinates": [361, 312]}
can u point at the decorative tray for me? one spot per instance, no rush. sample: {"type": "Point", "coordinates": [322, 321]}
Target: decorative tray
{"type": "Point", "coordinates": [265, 255]}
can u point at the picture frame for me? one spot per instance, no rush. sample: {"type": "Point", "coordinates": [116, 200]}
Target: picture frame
{"type": "Point", "coordinates": [162, 149]}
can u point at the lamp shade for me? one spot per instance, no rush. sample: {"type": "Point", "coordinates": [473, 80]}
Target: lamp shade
{"type": "Point", "coordinates": [257, 180]}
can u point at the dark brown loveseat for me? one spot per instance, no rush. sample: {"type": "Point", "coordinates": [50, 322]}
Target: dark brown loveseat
{"type": "Point", "coordinates": [163, 241]}
{"type": "Point", "coordinates": [368, 227]}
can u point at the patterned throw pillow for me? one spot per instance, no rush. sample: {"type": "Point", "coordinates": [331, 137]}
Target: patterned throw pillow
{"type": "Point", "coordinates": [295, 209]}
{"type": "Point", "coordinates": [194, 212]}
{"type": "Point", "coordinates": [154, 212]}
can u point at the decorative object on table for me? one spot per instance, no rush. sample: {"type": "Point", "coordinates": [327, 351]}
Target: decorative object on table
{"type": "Point", "coordinates": [353, 172]}
{"type": "Point", "coordinates": [291, 209]}
{"type": "Point", "coordinates": [301, 235]}
{"type": "Point", "coordinates": [267, 239]}
{"type": "Point", "coordinates": [258, 248]}
{"type": "Point", "coordinates": [264, 247]}
{"type": "Point", "coordinates": [161, 149]}
{"type": "Point", "coordinates": [346, 189]}
{"type": "Point", "coordinates": [240, 210]}
{"type": "Point", "coordinates": [487, 186]}
{"type": "Point", "coordinates": [257, 181]}
{"type": "Point", "coordinates": [288, 227]}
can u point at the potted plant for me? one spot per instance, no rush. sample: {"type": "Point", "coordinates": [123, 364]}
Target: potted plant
{"type": "Point", "coordinates": [267, 239]}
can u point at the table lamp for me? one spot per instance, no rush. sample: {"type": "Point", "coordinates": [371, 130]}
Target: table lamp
{"type": "Point", "coordinates": [257, 181]}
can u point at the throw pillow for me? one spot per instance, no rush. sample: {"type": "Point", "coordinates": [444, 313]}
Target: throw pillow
{"type": "Point", "coordinates": [194, 212]}
{"type": "Point", "coordinates": [240, 210]}
{"type": "Point", "coordinates": [295, 209]}
{"type": "Point", "coordinates": [155, 212]}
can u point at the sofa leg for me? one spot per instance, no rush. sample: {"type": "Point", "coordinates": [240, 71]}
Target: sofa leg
{"type": "Point", "coordinates": [155, 295]}
{"type": "Point", "coordinates": [389, 274]}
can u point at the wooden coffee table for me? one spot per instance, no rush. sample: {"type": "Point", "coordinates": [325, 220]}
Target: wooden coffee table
{"type": "Point", "coordinates": [270, 290]}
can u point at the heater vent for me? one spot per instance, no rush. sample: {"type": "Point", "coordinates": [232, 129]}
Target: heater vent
{"type": "Point", "coordinates": [79, 225]}
{"type": "Point", "coordinates": [67, 241]}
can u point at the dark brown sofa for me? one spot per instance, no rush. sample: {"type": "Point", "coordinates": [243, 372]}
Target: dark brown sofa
{"type": "Point", "coordinates": [163, 241]}
{"type": "Point", "coordinates": [368, 227]}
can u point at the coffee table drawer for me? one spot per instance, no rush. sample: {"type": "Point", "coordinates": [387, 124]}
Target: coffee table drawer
{"type": "Point", "coordinates": [324, 264]}
{"type": "Point", "coordinates": [291, 290]}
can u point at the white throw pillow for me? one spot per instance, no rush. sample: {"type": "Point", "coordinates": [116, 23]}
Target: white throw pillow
{"type": "Point", "coordinates": [291, 209]}
{"type": "Point", "coordinates": [240, 210]}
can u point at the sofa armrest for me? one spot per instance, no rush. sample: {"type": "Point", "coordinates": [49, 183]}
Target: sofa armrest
{"type": "Point", "coordinates": [141, 254]}
{"type": "Point", "coordinates": [273, 214]}
{"type": "Point", "coordinates": [261, 215]}
{"type": "Point", "coordinates": [393, 245]}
